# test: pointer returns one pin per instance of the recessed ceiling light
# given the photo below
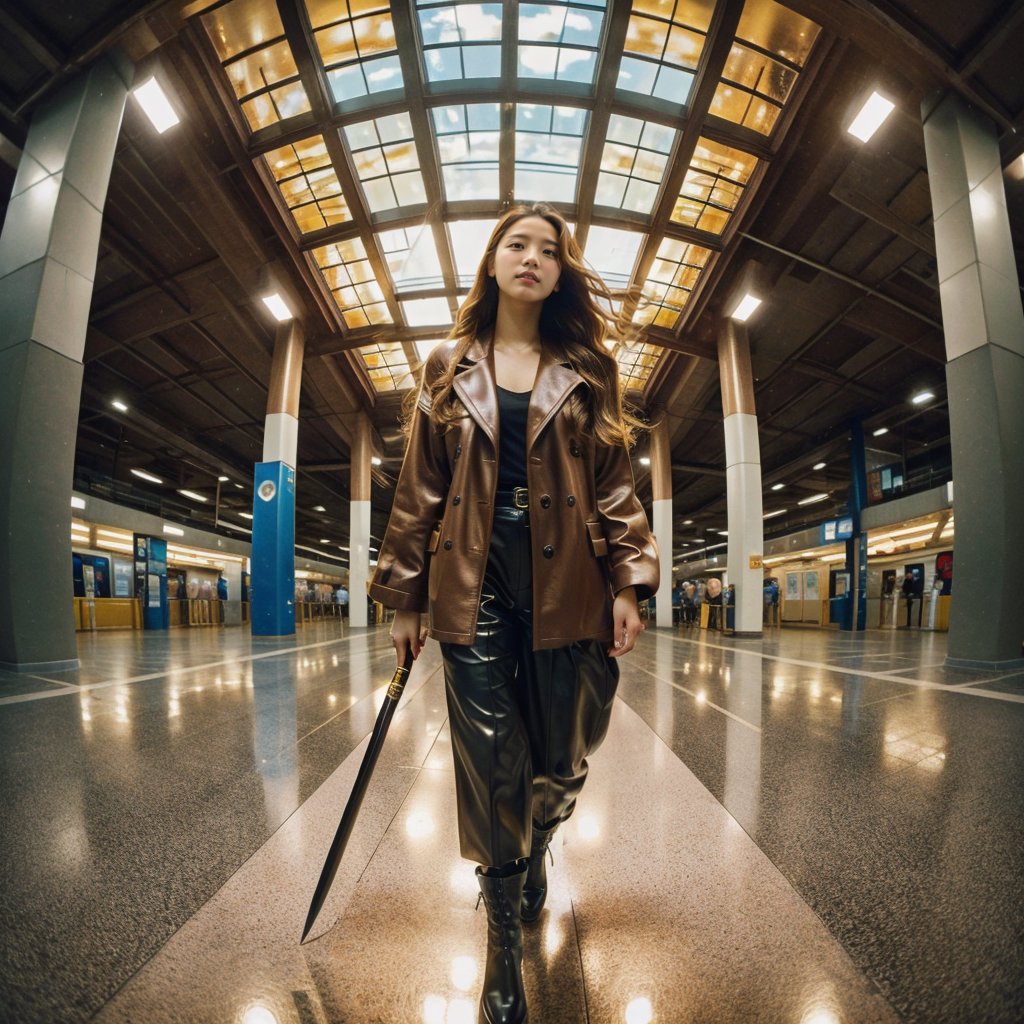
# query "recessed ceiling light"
(143, 475)
(777, 487)
(121, 407)
(745, 308)
(77, 502)
(324, 540)
(245, 515)
(645, 460)
(223, 479)
(922, 396)
(192, 495)
(871, 116)
(156, 105)
(880, 431)
(777, 512)
(687, 522)
(278, 307)
(374, 460)
(820, 465)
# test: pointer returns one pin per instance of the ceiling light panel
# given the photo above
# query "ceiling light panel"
(670, 282)
(386, 162)
(426, 312)
(349, 276)
(357, 46)
(460, 40)
(633, 163)
(308, 184)
(664, 43)
(713, 186)
(559, 41)
(549, 142)
(249, 39)
(468, 141)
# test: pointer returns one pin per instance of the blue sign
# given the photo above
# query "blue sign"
(837, 529)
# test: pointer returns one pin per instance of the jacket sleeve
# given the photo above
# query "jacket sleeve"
(632, 552)
(400, 579)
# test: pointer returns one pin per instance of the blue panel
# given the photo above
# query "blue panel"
(273, 550)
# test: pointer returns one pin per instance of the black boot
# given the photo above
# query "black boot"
(503, 1000)
(535, 891)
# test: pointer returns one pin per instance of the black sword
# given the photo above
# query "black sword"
(355, 800)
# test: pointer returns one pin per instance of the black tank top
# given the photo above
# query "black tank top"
(512, 408)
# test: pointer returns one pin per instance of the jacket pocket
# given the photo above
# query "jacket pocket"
(598, 541)
(434, 540)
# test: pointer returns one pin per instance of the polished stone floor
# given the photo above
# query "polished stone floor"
(810, 828)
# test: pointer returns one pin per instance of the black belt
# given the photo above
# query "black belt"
(518, 497)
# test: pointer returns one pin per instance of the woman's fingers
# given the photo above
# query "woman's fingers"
(626, 633)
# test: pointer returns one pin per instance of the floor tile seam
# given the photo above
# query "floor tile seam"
(884, 677)
(148, 677)
(782, 879)
(705, 701)
(579, 954)
(377, 689)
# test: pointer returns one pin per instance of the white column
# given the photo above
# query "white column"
(359, 524)
(661, 514)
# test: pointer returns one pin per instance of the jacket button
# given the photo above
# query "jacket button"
(447, 545)
(545, 501)
(549, 551)
(458, 450)
(457, 500)
(571, 500)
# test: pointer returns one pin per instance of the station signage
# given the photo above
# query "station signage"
(837, 529)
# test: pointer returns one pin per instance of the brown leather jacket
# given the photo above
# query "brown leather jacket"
(587, 528)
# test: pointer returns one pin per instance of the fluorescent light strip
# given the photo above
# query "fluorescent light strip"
(193, 495)
(813, 499)
(143, 475)
(156, 105)
(278, 307)
(745, 308)
(871, 116)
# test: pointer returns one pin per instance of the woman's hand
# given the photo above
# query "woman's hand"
(626, 622)
(406, 631)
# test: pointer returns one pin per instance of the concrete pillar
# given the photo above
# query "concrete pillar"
(48, 251)
(273, 513)
(359, 522)
(742, 477)
(661, 513)
(984, 330)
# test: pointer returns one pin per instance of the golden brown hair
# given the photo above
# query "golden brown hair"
(574, 323)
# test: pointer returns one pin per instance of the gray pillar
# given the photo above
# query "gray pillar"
(742, 477)
(984, 330)
(47, 265)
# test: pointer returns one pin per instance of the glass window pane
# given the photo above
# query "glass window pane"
(637, 75)
(469, 241)
(383, 74)
(379, 195)
(258, 70)
(583, 28)
(612, 253)
(610, 189)
(759, 73)
(625, 129)
(414, 262)
(337, 44)
(775, 28)
(640, 196)
(576, 65)
(541, 22)
(482, 61)
(538, 61)
(426, 312)
(673, 85)
(443, 64)
(409, 188)
(241, 25)
(276, 105)
(646, 36)
(479, 21)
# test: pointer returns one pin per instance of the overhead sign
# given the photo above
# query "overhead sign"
(837, 529)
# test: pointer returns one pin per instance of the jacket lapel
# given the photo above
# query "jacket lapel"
(552, 386)
(476, 387)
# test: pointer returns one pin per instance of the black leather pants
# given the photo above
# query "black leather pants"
(522, 721)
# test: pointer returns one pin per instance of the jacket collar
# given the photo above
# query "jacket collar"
(476, 386)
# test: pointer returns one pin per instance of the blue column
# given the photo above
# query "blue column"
(273, 550)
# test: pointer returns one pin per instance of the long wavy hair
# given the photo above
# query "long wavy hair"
(574, 323)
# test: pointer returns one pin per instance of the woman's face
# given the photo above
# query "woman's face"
(525, 264)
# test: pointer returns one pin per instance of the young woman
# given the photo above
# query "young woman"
(516, 528)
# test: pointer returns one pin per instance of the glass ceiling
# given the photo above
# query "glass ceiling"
(391, 137)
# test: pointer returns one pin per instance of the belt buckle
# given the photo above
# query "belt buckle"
(520, 497)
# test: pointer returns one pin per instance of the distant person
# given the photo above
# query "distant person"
(341, 596)
(909, 591)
